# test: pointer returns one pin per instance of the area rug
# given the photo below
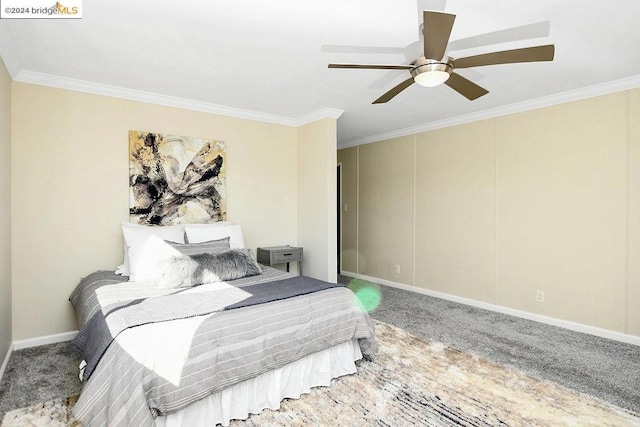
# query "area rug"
(412, 382)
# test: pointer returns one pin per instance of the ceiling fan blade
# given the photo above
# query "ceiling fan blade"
(437, 29)
(435, 5)
(373, 67)
(527, 54)
(394, 91)
(465, 87)
(513, 34)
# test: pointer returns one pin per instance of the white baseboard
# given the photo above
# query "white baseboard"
(34, 342)
(47, 339)
(578, 327)
(5, 362)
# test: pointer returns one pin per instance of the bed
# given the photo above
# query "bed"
(215, 350)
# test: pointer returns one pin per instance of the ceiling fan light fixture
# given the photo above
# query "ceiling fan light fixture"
(431, 73)
(431, 78)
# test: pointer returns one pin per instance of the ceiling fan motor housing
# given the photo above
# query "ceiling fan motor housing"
(431, 72)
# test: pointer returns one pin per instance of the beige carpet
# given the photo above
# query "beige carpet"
(412, 382)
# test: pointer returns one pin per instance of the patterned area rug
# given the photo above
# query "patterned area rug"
(412, 382)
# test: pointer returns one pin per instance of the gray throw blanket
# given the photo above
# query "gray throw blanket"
(95, 337)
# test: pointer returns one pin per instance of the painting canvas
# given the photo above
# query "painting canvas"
(175, 179)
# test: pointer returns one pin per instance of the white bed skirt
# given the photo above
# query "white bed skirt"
(269, 389)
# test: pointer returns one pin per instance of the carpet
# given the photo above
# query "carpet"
(412, 382)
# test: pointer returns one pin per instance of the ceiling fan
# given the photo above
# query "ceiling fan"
(434, 68)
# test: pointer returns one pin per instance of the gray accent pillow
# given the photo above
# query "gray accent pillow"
(193, 270)
(210, 247)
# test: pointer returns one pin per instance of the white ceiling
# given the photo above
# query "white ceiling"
(269, 58)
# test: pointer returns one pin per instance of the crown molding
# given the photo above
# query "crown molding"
(545, 101)
(323, 113)
(32, 77)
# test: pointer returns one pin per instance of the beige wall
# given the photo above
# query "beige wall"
(633, 300)
(561, 211)
(5, 212)
(455, 210)
(70, 186)
(385, 209)
(348, 159)
(317, 216)
(542, 200)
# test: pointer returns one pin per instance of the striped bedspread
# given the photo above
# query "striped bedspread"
(158, 368)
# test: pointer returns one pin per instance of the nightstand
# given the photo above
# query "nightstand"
(280, 255)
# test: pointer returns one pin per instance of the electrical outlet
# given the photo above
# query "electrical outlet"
(397, 269)
(346, 208)
(539, 296)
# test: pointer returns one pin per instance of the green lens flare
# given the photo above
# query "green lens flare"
(368, 293)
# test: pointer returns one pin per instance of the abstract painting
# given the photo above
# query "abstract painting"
(175, 179)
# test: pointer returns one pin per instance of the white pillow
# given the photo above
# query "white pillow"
(197, 233)
(144, 246)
